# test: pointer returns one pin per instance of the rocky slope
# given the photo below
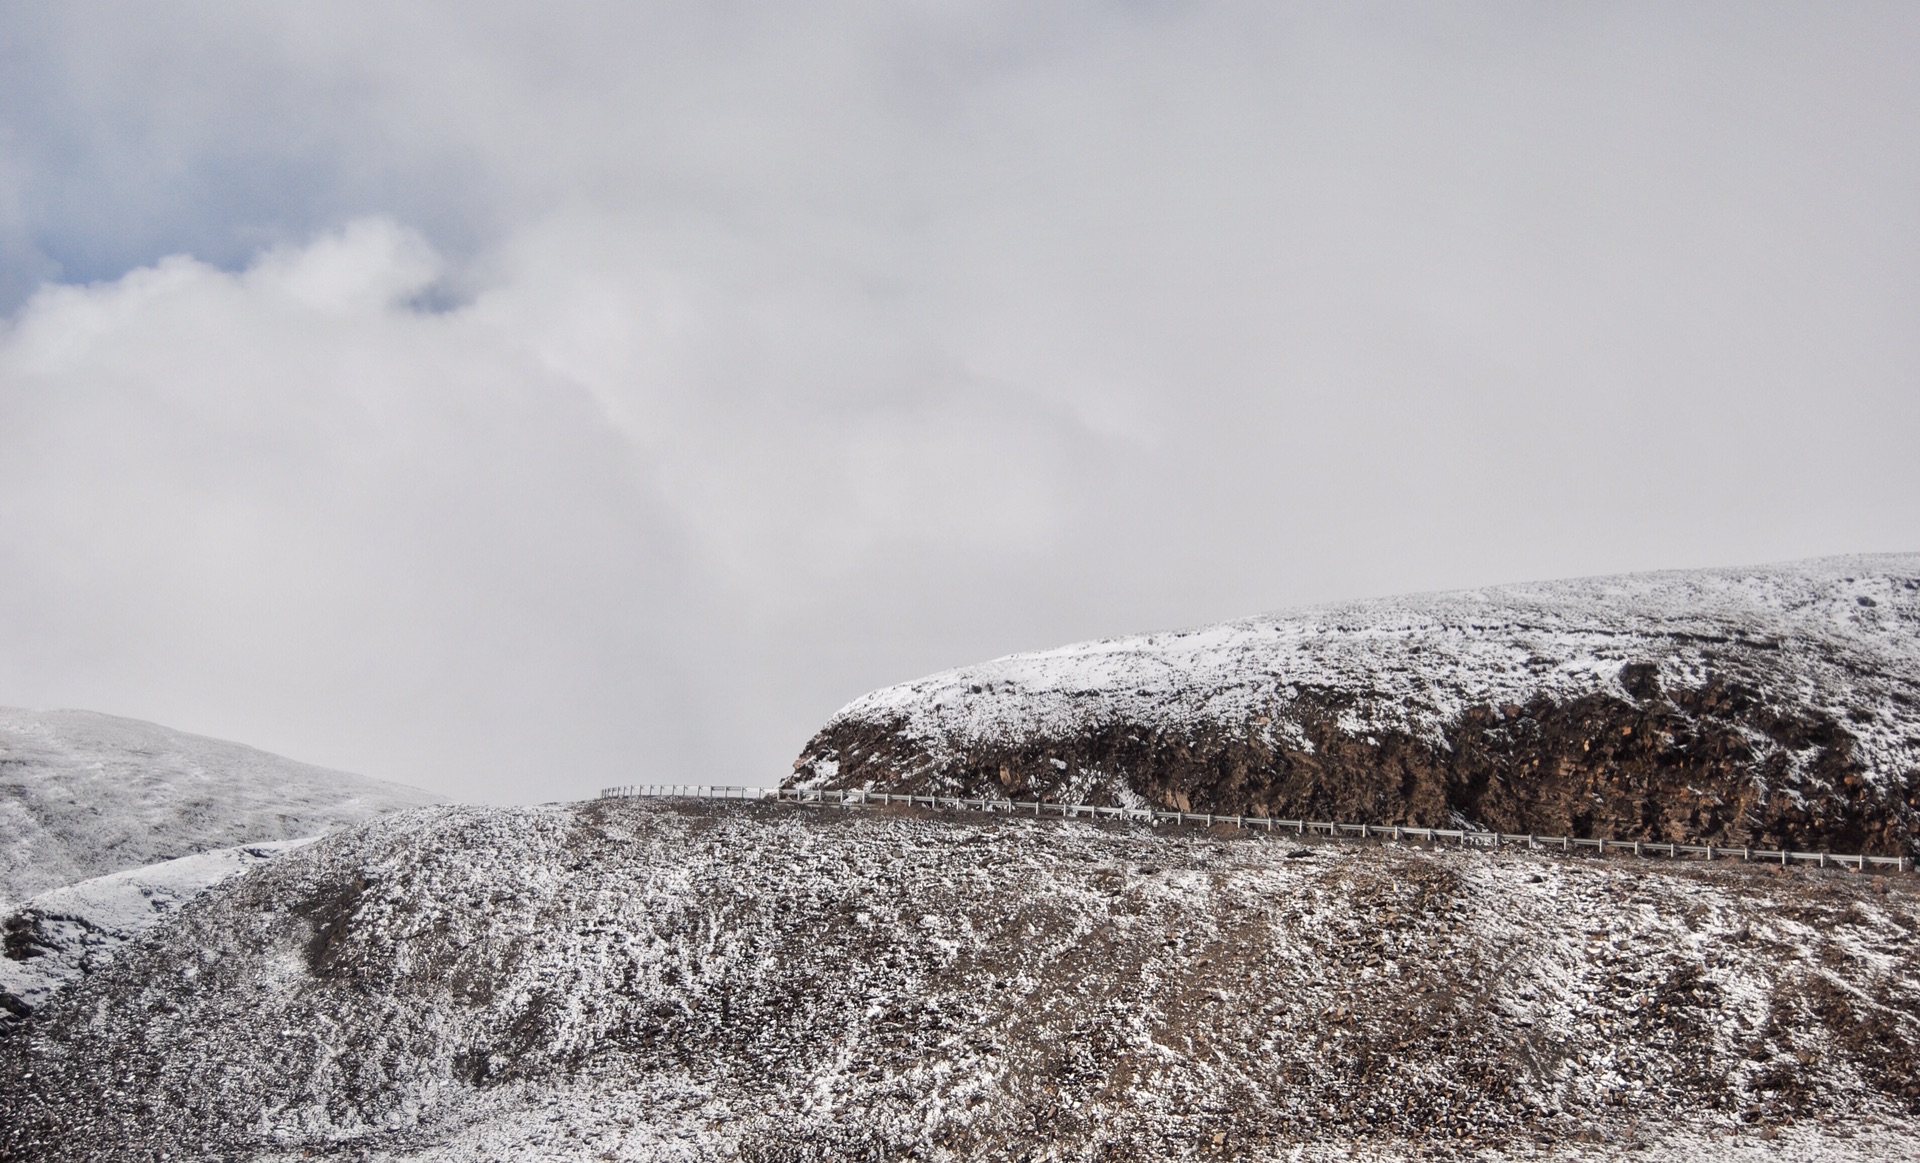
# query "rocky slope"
(83, 794)
(1769, 706)
(63, 934)
(635, 980)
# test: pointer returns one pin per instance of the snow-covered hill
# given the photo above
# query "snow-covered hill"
(1770, 705)
(59, 936)
(655, 981)
(83, 794)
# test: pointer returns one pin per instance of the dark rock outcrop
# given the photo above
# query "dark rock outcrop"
(1776, 706)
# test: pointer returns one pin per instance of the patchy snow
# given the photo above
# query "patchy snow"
(636, 980)
(83, 794)
(1840, 636)
(65, 933)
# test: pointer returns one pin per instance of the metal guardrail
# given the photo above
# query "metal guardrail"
(1465, 838)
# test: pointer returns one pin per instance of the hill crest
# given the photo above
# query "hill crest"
(83, 794)
(1768, 705)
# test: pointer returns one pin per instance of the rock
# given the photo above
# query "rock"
(1760, 707)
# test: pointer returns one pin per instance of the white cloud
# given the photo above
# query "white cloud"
(287, 488)
(567, 395)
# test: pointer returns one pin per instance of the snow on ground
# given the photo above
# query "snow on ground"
(63, 934)
(633, 980)
(82, 794)
(1839, 636)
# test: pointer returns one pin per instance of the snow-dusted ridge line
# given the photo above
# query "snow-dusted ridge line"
(1772, 706)
(83, 794)
(1329, 829)
(1237, 668)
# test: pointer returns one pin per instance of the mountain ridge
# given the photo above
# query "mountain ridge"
(1771, 705)
(84, 794)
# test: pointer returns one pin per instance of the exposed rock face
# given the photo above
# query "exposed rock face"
(633, 980)
(1769, 706)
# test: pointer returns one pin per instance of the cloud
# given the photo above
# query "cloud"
(517, 400)
(566, 499)
(282, 489)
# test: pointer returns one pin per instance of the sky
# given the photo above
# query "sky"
(518, 399)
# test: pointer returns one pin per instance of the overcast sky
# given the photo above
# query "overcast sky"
(513, 400)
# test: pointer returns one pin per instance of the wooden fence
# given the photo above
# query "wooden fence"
(1465, 838)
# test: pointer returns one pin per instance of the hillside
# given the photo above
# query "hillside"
(83, 794)
(642, 980)
(1771, 706)
(59, 936)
